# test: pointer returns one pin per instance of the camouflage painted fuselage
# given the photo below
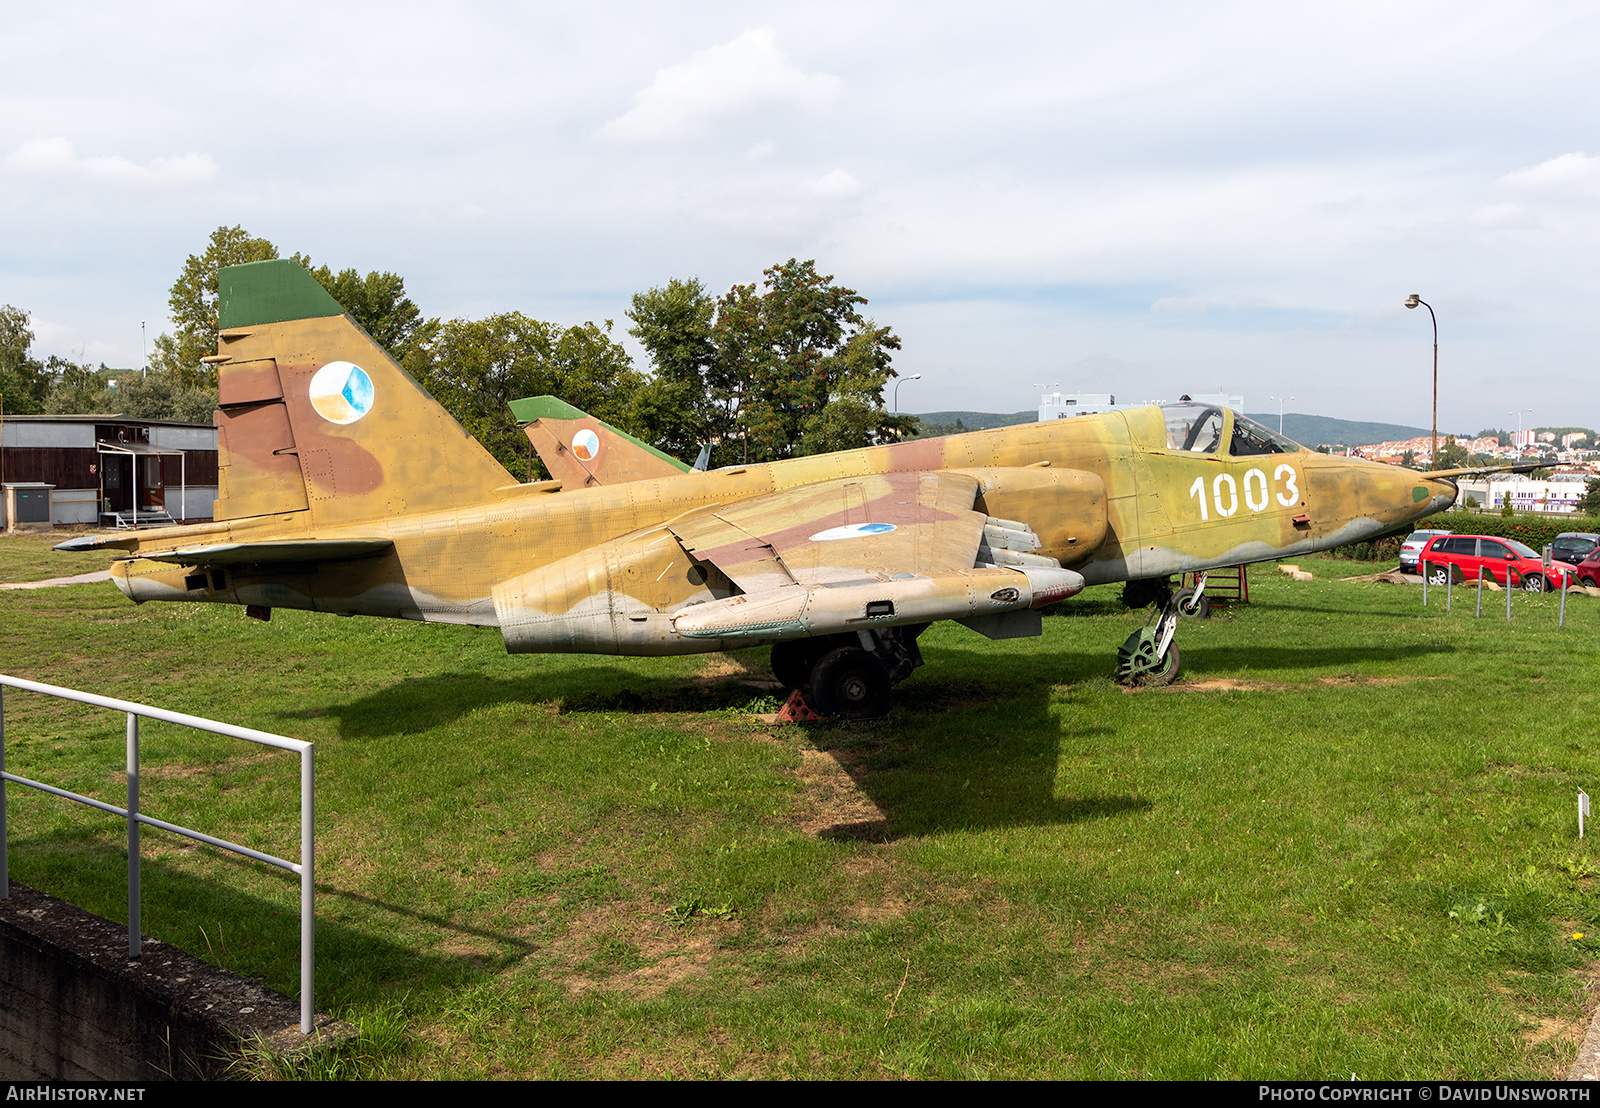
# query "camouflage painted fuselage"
(397, 512)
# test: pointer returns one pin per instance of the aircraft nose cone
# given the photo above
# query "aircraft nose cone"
(1440, 493)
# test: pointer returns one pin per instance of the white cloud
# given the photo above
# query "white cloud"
(1502, 215)
(55, 155)
(834, 186)
(1194, 305)
(718, 84)
(1568, 169)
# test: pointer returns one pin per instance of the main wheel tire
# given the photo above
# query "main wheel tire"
(1166, 673)
(1189, 608)
(1534, 582)
(1438, 575)
(792, 661)
(851, 684)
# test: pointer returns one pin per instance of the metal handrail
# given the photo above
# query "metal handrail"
(306, 867)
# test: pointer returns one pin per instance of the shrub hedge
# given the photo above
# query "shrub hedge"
(1534, 530)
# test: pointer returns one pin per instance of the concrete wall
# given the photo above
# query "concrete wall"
(75, 505)
(74, 1006)
(197, 502)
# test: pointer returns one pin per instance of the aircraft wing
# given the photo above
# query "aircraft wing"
(848, 554)
(843, 530)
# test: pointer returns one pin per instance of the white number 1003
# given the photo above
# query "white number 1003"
(1257, 492)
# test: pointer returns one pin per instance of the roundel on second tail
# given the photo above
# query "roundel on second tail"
(341, 392)
(852, 531)
(586, 445)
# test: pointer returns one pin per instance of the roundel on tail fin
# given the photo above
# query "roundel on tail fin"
(341, 392)
(586, 445)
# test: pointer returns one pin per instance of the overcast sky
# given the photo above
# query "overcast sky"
(1138, 198)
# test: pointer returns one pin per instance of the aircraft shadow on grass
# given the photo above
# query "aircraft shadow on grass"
(974, 744)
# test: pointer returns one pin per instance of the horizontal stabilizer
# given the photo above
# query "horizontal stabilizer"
(1494, 467)
(259, 553)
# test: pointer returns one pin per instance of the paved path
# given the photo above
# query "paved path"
(80, 579)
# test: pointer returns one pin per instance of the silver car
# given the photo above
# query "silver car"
(1413, 547)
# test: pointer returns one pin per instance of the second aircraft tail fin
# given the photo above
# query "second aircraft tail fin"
(580, 450)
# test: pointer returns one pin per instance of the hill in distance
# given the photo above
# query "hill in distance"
(1309, 430)
(980, 421)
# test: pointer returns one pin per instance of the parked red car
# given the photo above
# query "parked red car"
(1499, 558)
(1589, 569)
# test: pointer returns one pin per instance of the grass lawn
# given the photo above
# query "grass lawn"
(1344, 843)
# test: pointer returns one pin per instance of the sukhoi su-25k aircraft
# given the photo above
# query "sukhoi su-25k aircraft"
(345, 488)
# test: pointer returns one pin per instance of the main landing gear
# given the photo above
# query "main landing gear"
(1150, 657)
(849, 676)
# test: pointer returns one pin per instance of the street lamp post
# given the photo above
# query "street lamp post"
(1280, 400)
(897, 384)
(1411, 302)
(1519, 414)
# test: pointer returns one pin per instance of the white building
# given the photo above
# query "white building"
(1557, 494)
(1056, 405)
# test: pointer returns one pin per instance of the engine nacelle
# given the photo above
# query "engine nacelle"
(1065, 507)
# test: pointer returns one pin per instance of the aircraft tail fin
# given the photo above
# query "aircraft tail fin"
(313, 415)
(580, 450)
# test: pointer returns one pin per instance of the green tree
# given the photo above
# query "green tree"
(1452, 455)
(1505, 506)
(24, 382)
(475, 368)
(1589, 502)
(192, 302)
(851, 413)
(79, 390)
(795, 348)
(379, 303)
(76, 389)
(791, 368)
(681, 408)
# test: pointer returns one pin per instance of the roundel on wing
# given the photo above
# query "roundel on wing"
(586, 445)
(341, 392)
(852, 531)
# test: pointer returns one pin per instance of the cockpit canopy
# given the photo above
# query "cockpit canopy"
(1203, 428)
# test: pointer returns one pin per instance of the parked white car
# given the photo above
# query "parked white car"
(1413, 546)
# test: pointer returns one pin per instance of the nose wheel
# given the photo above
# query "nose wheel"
(1149, 657)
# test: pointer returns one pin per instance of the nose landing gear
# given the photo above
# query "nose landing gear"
(1149, 657)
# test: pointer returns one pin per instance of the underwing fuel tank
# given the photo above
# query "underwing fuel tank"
(534, 619)
(857, 606)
